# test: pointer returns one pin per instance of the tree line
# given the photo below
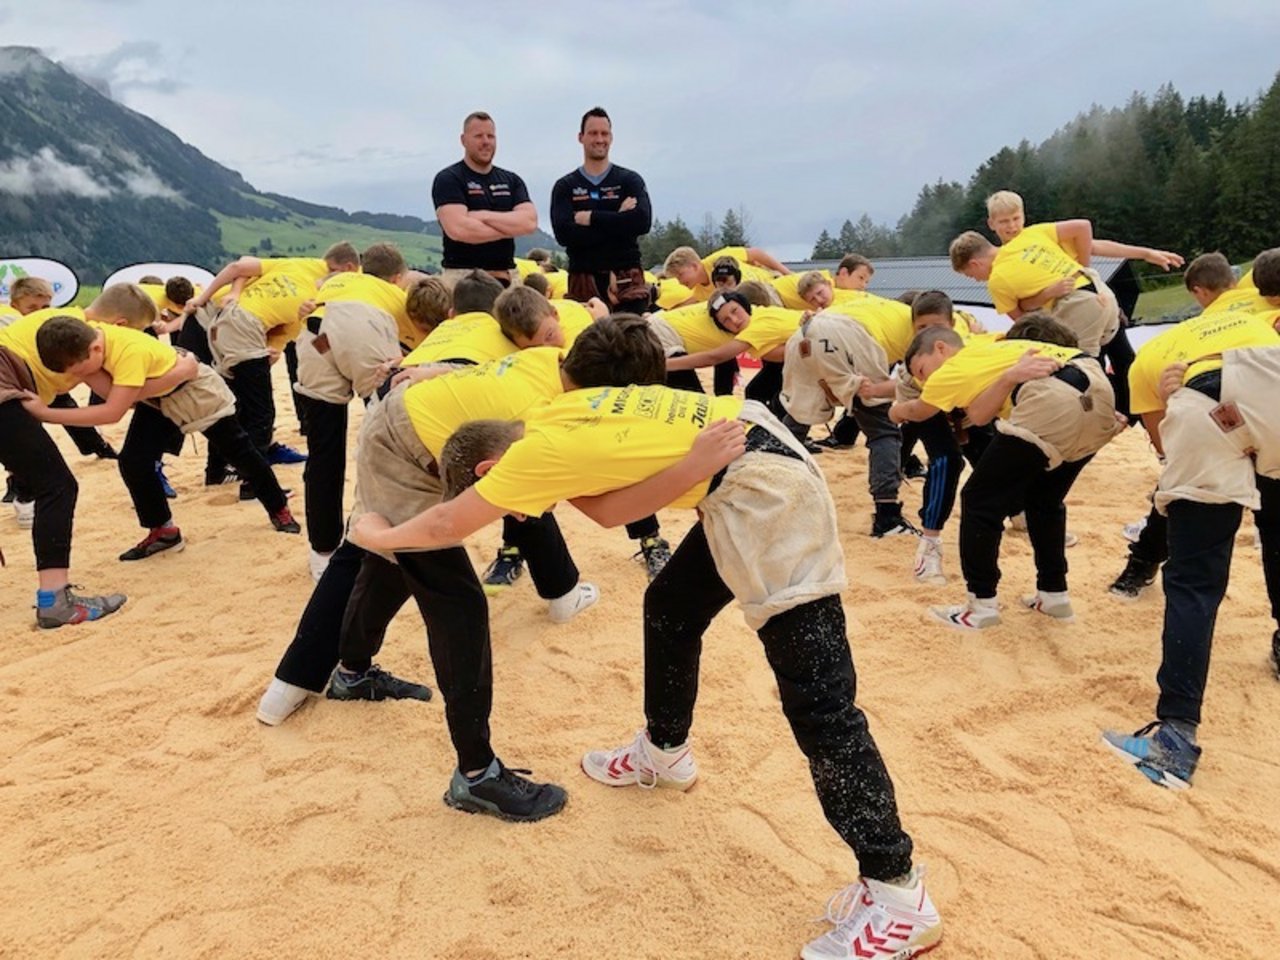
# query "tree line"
(1188, 175)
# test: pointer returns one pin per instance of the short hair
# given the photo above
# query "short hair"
(809, 281)
(1004, 201)
(760, 294)
(593, 112)
(383, 260)
(932, 303)
(852, 261)
(679, 258)
(30, 287)
(521, 310)
(469, 446)
(907, 296)
(64, 340)
(475, 115)
(616, 351)
(475, 293)
(341, 254)
(923, 342)
(1266, 272)
(1209, 271)
(966, 247)
(538, 255)
(1042, 328)
(127, 301)
(538, 281)
(178, 290)
(428, 303)
(151, 278)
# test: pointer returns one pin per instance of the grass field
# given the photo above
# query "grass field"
(1153, 305)
(308, 237)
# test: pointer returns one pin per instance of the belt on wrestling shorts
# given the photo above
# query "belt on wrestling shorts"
(1210, 384)
(1072, 376)
(759, 440)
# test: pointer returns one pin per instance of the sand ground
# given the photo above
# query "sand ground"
(148, 814)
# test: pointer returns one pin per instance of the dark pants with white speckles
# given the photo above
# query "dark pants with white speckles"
(808, 649)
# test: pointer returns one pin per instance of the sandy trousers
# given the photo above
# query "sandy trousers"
(801, 625)
(1092, 315)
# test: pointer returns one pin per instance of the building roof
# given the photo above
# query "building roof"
(897, 275)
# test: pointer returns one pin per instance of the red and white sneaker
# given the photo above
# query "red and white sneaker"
(643, 764)
(879, 920)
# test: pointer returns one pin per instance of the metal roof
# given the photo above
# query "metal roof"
(897, 275)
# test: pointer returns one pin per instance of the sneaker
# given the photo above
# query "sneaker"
(214, 478)
(1055, 605)
(374, 684)
(158, 540)
(876, 919)
(60, 608)
(1133, 531)
(25, 511)
(929, 561)
(283, 521)
(1069, 539)
(831, 443)
(813, 447)
(1161, 754)
(279, 454)
(280, 702)
(974, 614)
(563, 609)
(505, 794)
(655, 552)
(1136, 577)
(318, 563)
(892, 525)
(165, 485)
(913, 469)
(503, 572)
(642, 763)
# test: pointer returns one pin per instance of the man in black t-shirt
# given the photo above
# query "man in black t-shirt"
(481, 208)
(599, 212)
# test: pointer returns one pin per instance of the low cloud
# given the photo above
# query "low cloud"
(133, 65)
(145, 183)
(47, 173)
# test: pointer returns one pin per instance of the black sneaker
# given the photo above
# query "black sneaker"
(157, 541)
(505, 794)
(284, 522)
(892, 524)
(503, 572)
(813, 446)
(374, 684)
(831, 443)
(214, 478)
(656, 552)
(1137, 576)
(1275, 653)
(913, 469)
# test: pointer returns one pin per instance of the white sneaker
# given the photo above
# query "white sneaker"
(25, 511)
(974, 614)
(1132, 531)
(929, 562)
(281, 701)
(563, 609)
(318, 562)
(1056, 605)
(642, 763)
(1069, 539)
(879, 920)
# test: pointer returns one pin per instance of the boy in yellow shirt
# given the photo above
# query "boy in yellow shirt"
(1207, 392)
(684, 265)
(1056, 410)
(782, 564)
(125, 366)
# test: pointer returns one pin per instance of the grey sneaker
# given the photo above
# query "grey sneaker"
(655, 552)
(505, 794)
(374, 684)
(68, 608)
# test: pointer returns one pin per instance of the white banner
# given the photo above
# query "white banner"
(63, 278)
(135, 272)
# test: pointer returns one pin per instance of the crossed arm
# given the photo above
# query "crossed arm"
(485, 226)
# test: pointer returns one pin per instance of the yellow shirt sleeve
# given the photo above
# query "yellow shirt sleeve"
(770, 327)
(131, 357)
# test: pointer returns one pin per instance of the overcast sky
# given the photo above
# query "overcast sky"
(803, 113)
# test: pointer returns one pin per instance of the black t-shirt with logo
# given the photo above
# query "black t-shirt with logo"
(499, 190)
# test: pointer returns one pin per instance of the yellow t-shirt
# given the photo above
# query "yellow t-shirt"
(311, 270)
(375, 292)
(156, 292)
(131, 357)
(750, 271)
(1240, 298)
(574, 318)
(672, 293)
(888, 321)
(1028, 263)
(469, 336)
(524, 266)
(19, 338)
(1199, 342)
(557, 285)
(695, 327)
(275, 301)
(592, 441)
(502, 389)
(770, 327)
(976, 367)
(787, 287)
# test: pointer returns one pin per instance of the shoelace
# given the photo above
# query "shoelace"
(518, 783)
(844, 904)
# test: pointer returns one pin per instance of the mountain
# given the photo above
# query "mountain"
(96, 185)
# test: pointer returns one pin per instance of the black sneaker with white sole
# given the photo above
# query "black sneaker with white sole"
(374, 684)
(1136, 577)
(506, 794)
